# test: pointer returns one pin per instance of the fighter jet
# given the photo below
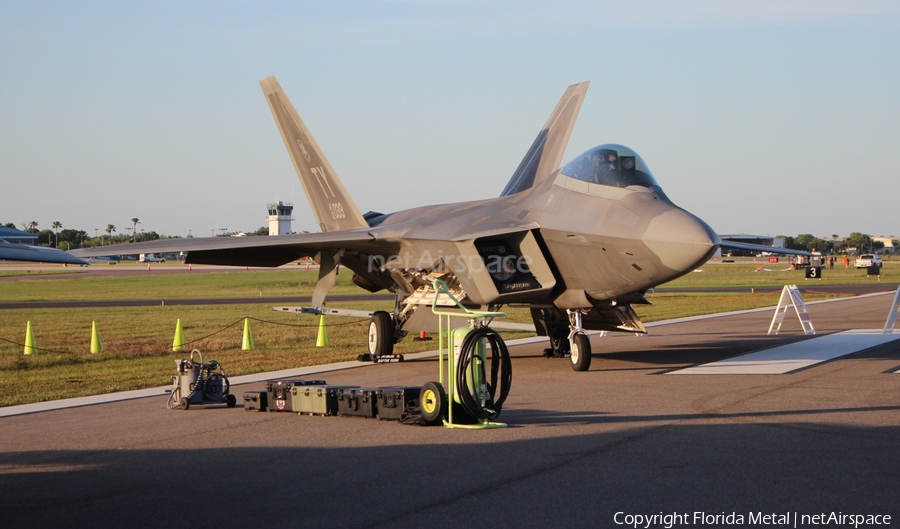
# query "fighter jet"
(578, 244)
(38, 254)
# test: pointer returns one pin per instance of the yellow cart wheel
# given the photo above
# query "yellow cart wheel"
(433, 401)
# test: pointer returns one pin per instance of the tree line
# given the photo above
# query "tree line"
(835, 245)
(68, 239)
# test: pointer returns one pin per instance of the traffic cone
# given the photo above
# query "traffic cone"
(322, 337)
(96, 345)
(178, 342)
(29, 339)
(247, 342)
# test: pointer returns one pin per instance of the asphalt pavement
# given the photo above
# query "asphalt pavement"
(581, 450)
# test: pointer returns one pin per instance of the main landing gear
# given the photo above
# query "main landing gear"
(381, 334)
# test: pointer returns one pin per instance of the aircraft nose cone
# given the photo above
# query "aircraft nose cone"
(680, 240)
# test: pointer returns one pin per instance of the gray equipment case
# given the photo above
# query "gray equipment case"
(358, 402)
(393, 400)
(255, 400)
(316, 400)
(279, 392)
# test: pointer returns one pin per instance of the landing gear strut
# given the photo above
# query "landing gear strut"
(579, 344)
(570, 342)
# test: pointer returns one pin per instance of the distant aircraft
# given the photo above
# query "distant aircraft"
(579, 245)
(39, 254)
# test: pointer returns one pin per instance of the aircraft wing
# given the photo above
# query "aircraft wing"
(762, 248)
(253, 251)
(39, 254)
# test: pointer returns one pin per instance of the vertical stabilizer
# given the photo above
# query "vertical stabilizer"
(331, 204)
(546, 152)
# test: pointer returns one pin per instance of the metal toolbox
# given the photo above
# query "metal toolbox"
(316, 400)
(392, 400)
(255, 400)
(357, 402)
(279, 392)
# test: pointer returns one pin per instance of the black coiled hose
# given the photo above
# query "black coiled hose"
(501, 374)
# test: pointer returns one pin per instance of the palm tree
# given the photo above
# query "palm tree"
(135, 221)
(56, 226)
(110, 229)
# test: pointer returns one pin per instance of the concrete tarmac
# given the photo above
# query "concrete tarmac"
(581, 450)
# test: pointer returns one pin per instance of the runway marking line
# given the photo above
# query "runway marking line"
(787, 358)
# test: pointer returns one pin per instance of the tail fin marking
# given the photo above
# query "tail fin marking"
(330, 201)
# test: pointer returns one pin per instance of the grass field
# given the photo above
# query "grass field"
(137, 341)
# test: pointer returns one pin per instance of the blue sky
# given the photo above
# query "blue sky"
(765, 117)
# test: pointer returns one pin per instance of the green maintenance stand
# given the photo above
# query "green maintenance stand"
(433, 394)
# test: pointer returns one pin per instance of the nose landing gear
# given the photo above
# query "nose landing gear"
(572, 342)
(579, 343)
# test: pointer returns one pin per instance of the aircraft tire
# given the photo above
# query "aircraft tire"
(381, 333)
(559, 342)
(581, 352)
(433, 401)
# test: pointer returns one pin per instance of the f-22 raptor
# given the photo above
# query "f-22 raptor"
(578, 244)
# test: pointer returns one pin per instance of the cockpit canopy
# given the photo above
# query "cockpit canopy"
(611, 165)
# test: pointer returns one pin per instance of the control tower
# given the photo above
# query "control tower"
(280, 217)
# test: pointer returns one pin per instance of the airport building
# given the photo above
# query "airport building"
(891, 244)
(280, 217)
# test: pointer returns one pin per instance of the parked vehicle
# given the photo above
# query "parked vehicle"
(150, 258)
(867, 259)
